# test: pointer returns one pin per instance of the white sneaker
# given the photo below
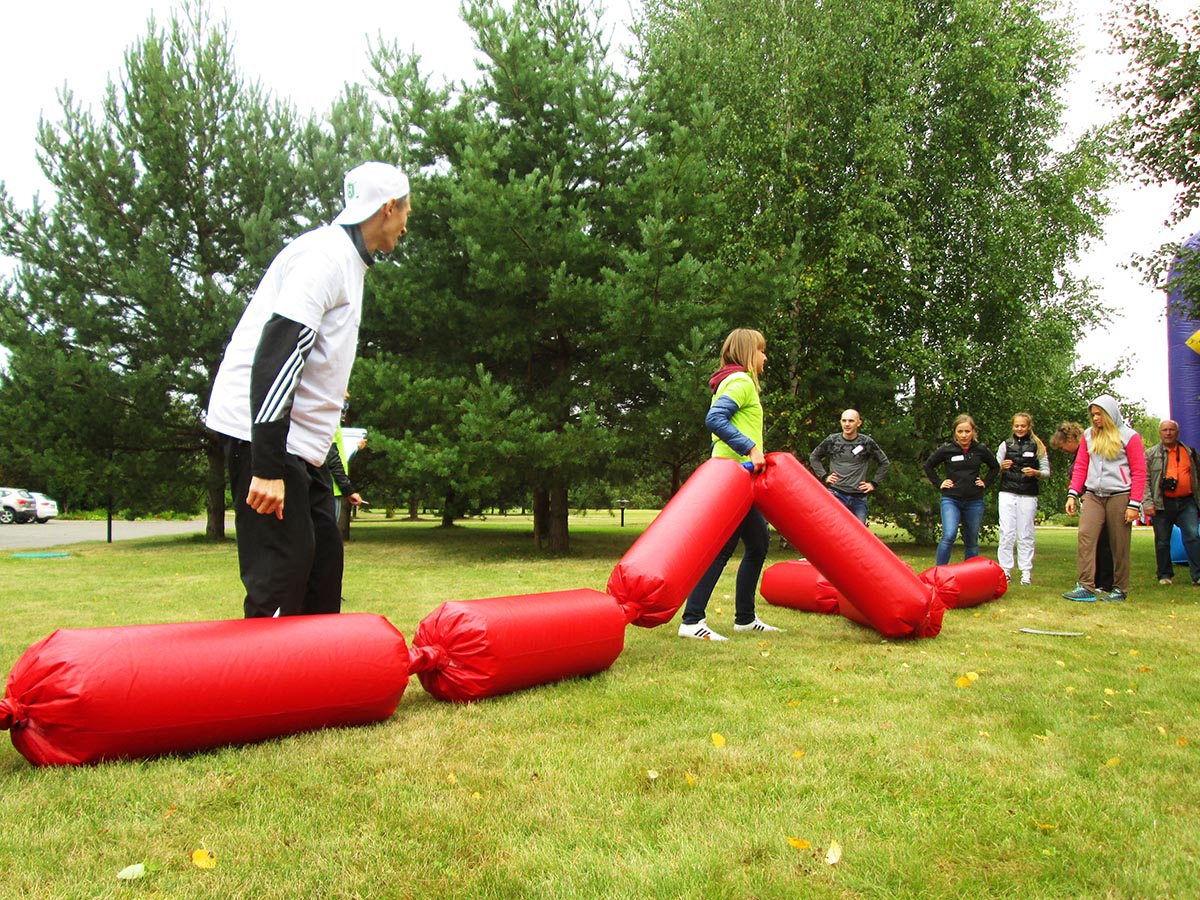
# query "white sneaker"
(700, 630)
(1025, 579)
(757, 625)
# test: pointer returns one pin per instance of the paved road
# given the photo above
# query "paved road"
(57, 532)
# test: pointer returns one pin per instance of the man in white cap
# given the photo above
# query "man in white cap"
(278, 394)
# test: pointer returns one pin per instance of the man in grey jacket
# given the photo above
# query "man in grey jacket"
(849, 455)
(1172, 497)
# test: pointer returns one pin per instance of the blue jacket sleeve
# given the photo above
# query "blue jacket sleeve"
(720, 422)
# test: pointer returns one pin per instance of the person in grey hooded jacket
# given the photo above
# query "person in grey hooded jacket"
(1110, 475)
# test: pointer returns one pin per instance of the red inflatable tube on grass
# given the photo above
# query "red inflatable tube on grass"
(658, 572)
(849, 611)
(876, 582)
(796, 584)
(968, 583)
(471, 649)
(89, 695)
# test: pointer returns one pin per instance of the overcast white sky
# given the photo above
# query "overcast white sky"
(308, 57)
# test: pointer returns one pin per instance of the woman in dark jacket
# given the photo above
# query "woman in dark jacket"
(962, 488)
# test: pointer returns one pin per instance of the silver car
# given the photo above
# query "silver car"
(16, 506)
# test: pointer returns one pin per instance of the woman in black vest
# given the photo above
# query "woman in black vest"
(1023, 464)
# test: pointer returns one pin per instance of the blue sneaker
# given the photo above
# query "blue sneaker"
(1117, 596)
(1081, 594)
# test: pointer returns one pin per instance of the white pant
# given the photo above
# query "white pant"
(1017, 512)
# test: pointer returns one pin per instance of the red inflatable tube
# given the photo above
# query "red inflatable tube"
(876, 582)
(655, 576)
(87, 695)
(850, 611)
(796, 584)
(968, 583)
(471, 649)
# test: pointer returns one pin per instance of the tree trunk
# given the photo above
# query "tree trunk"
(541, 516)
(449, 509)
(413, 510)
(215, 484)
(559, 537)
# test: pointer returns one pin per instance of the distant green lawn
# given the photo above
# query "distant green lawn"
(1068, 768)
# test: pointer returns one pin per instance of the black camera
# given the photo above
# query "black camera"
(1169, 484)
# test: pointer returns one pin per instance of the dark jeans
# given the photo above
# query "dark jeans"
(856, 503)
(756, 539)
(290, 566)
(968, 513)
(1179, 511)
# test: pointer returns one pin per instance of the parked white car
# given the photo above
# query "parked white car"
(47, 509)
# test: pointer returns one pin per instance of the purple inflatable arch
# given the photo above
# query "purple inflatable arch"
(1183, 355)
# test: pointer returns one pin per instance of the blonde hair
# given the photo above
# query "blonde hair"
(1041, 448)
(959, 420)
(739, 349)
(1106, 440)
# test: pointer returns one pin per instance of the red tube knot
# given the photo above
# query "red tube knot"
(425, 659)
(12, 714)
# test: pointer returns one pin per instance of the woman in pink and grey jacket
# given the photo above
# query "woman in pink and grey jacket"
(1110, 475)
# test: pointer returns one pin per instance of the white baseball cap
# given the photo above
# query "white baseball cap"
(367, 188)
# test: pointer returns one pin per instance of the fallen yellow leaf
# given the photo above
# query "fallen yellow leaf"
(799, 843)
(963, 682)
(1162, 731)
(835, 853)
(797, 754)
(691, 779)
(718, 739)
(1181, 741)
(204, 859)
(1109, 692)
(1044, 826)
(451, 778)
(1113, 762)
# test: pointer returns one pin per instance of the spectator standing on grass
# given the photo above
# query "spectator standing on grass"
(345, 494)
(1172, 495)
(850, 454)
(1110, 475)
(735, 417)
(278, 396)
(1023, 464)
(962, 488)
(1067, 438)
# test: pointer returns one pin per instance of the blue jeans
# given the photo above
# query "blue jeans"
(856, 503)
(968, 513)
(1179, 511)
(757, 540)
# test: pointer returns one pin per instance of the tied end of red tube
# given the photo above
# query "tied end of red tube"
(12, 714)
(424, 659)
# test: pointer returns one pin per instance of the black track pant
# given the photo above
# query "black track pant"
(292, 566)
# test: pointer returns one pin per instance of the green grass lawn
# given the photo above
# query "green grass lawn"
(1068, 768)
